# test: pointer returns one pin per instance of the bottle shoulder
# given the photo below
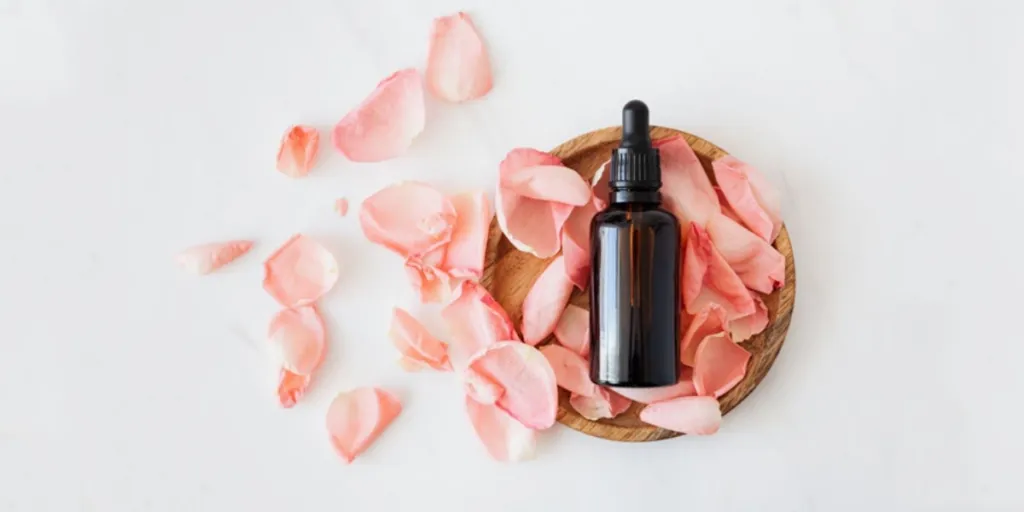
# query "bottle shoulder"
(622, 214)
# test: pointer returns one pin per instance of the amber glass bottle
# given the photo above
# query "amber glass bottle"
(634, 282)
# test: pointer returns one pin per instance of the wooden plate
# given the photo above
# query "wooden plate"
(509, 273)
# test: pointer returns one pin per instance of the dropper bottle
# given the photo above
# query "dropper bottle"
(634, 282)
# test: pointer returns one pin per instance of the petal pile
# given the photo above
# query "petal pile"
(530, 393)
(458, 68)
(299, 148)
(573, 330)
(545, 302)
(708, 278)
(605, 404)
(418, 347)
(297, 341)
(686, 190)
(464, 256)
(475, 321)
(430, 282)
(356, 418)
(203, 259)
(719, 364)
(534, 198)
(750, 196)
(384, 125)
(759, 265)
(299, 272)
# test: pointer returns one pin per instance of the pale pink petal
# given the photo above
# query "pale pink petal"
(505, 438)
(299, 148)
(474, 321)
(415, 342)
(297, 339)
(410, 218)
(534, 198)
(599, 184)
(602, 405)
(726, 209)
(754, 200)
(464, 256)
(573, 330)
(709, 320)
(530, 390)
(744, 327)
(203, 259)
(481, 388)
(755, 261)
(719, 365)
(650, 395)
(299, 272)
(356, 418)
(431, 283)
(707, 278)
(685, 188)
(458, 68)
(291, 387)
(545, 302)
(384, 125)
(571, 371)
(341, 206)
(576, 243)
(691, 415)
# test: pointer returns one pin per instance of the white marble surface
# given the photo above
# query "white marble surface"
(131, 129)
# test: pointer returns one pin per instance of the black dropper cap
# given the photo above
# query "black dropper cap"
(635, 163)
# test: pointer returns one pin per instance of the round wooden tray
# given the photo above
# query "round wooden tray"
(509, 274)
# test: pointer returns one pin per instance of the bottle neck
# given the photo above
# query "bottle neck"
(644, 196)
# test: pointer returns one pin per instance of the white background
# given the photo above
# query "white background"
(132, 129)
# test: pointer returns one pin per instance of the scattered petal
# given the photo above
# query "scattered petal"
(710, 320)
(299, 272)
(384, 125)
(571, 371)
(651, 395)
(356, 418)
(458, 68)
(464, 256)
(475, 321)
(431, 283)
(534, 198)
(297, 339)
(505, 438)
(707, 278)
(530, 390)
(416, 343)
(576, 243)
(203, 259)
(291, 387)
(720, 365)
(692, 415)
(299, 148)
(341, 206)
(742, 328)
(410, 218)
(573, 330)
(753, 199)
(686, 190)
(545, 302)
(755, 261)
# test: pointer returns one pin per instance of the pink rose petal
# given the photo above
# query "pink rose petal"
(576, 243)
(545, 302)
(710, 320)
(458, 68)
(505, 438)
(719, 365)
(384, 125)
(299, 272)
(431, 283)
(686, 190)
(691, 415)
(651, 395)
(481, 388)
(203, 259)
(753, 199)
(356, 418)
(297, 339)
(534, 198)
(299, 148)
(464, 256)
(755, 261)
(530, 390)
(571, 371)
(416, 343)
(603, 405)
(742, 328)
(707, 278)
(573, 330)
(291, 387)
(475, 321)
(341, 206)
(726, 210)
(410, 218)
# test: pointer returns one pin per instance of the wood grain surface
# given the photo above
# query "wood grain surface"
(509, 273)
